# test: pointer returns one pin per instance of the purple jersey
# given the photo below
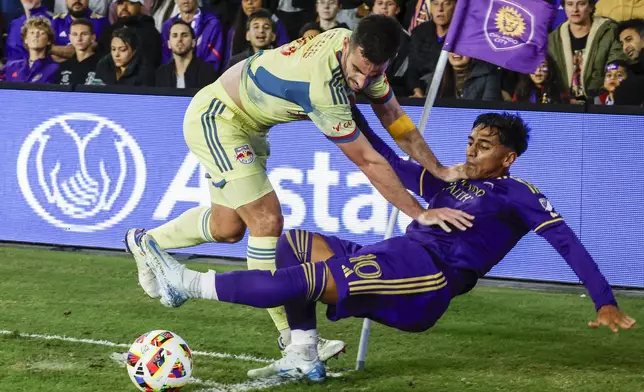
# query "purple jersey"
(505, 209)
(62, 22)
(210, 38)
(42, 71)
(15, 45)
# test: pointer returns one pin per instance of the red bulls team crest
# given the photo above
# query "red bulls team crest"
(244, 154)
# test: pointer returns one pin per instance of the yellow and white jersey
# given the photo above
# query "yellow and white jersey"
(303, 79)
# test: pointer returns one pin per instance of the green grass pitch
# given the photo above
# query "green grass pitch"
(492, 339)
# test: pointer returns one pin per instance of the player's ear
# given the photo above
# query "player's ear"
(248, 36)
(509, 159)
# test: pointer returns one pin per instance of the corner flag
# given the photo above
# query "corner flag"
(512, 34)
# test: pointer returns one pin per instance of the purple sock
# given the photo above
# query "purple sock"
(294, 285)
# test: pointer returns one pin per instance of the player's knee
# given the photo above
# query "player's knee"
(230, 238)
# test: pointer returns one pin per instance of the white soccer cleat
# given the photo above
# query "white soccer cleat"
(147, 281)
(328, 349)
(293, 365)
(167, 271)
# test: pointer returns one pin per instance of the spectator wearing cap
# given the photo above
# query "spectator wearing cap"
(631, 36)
(37, 36)
(81, 68)
(208, 31)
(540, 87)
(426, 44)
(620, 10)
(581, 47)
(397, 70)
(467, 78)
(615, 75)
(185, 70)
(129, 13)
(260, 34)
(15, 47)
(237, 33)
(125, 66)
(61, 24)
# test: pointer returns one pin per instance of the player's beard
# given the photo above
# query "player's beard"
(183, 53)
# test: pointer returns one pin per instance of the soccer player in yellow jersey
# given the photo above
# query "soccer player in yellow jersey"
(226, 127)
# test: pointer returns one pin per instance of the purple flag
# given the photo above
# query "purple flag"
(512, 34)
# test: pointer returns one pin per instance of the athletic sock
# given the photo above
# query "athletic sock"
(188, 229)
(260, 255)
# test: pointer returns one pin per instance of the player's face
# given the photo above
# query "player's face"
(260, 35)
(327, 9)
(81, 38)
(180, 41)
(578, 11)
(631, 43)
(540, 75)
(250, 6)
(187, 6)
(36, 38)
(358, 71)
(122, 53)
(386, 7)
(442, 11)
(486, 156)
(125, 9)
(613, 78)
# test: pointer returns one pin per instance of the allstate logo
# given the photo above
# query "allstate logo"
(81, 172)
(508, 25)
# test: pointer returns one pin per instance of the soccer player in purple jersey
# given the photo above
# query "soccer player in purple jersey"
(405, 282)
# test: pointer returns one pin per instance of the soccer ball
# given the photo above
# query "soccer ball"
(159, 361)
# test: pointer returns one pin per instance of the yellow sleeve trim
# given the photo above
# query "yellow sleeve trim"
(422, 176)
(546, 223)
(401, 127)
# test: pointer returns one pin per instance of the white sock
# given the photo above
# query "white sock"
(306, 343)
(200, 284)
(285, 334)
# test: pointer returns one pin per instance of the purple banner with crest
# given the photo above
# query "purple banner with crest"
(512, 34)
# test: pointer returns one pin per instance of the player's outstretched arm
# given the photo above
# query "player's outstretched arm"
(383, 178)
(413, 176)
(407, 136)
(564, 240)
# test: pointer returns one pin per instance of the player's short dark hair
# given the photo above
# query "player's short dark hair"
(179, 21)
(261, 13)
(513, 132)
(379, 38)
(82, 22)
(635, 24)
(310, 26)
(128, 36)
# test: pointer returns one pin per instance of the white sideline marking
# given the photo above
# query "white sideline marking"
(241, 357)
(213, 386)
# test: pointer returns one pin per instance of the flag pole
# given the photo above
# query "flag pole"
(391, 224)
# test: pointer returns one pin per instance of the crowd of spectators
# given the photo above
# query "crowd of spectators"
(594, 46)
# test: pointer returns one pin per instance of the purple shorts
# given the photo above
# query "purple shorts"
(394, 282)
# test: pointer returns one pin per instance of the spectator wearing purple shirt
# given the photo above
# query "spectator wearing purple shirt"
(208, 30)
(62, 23)
(37, 36)
(15, 43)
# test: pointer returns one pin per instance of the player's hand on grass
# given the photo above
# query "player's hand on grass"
(452, 173)
(613, 318)
(442, 216)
